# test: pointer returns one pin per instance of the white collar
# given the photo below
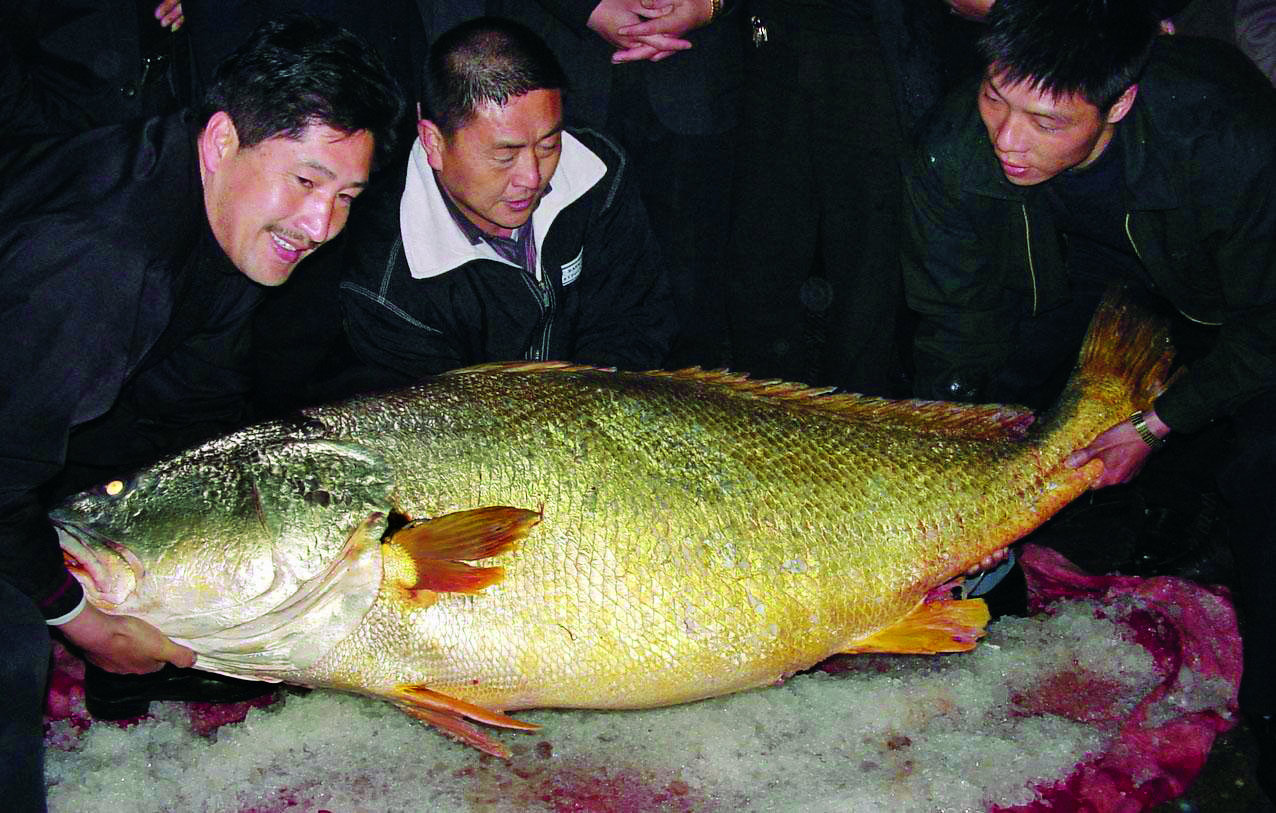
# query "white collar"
(432, 242)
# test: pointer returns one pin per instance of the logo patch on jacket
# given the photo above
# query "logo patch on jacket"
(572, 269)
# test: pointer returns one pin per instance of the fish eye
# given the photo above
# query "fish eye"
(114, 488)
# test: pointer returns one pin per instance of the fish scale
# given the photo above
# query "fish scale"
(579, 537)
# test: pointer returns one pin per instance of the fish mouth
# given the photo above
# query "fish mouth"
(107, 570)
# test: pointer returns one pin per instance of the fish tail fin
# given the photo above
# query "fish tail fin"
(431, 554)
(1126, 355)
(1123, 366)
(946, 625)
(450, 714)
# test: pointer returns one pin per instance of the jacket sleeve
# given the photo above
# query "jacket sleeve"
(628, 318)
(31, 560)
(1242, 361)
(385, 332)
(572, 13)
(962, 333)
(388, 338)
(381, 308)
(56, 370)
(80, 301)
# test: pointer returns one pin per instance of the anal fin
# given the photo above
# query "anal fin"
(450, 715)
(946, 625)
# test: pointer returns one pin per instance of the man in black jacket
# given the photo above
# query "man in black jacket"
(506, 236)
(1095, 151)
(124, 247)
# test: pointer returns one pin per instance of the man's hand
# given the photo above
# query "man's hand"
(677, 18)
(1121, 449)
(610, 16)
(169, 14)
(123, 644)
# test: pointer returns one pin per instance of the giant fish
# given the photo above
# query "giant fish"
(525, 535)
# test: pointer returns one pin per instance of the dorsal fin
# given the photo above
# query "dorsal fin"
(991, 422)
(440, 547)
(983, 421)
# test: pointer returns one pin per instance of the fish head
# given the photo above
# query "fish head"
(216, 536)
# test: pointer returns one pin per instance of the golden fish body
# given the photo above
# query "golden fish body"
(668, 536)
(695, 539)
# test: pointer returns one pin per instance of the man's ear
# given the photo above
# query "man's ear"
(1123, 104)
(218, 140)
(433, 140)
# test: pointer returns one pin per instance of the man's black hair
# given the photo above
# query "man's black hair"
(300, 70)
(488, 59)
(1092, 48)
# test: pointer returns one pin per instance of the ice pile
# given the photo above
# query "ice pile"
(983, 730)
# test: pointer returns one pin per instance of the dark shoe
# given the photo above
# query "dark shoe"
(109, 696)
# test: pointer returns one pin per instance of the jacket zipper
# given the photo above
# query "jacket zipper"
(1032, 269)
(543, 292)
(1129, 235)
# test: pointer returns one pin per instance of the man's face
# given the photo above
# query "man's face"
(1036, 135)
(272, 204)
(498, 165)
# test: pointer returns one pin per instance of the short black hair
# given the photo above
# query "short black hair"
(487, 59)
(1092, 48)
(300, 70)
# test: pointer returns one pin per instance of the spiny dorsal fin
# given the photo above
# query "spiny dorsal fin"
(992, 422)
(525, 367)
(450, 715)
(947, 625)
(440, 547)
(986, 421)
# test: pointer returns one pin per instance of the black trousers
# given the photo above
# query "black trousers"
(813, 279)
(24, 672)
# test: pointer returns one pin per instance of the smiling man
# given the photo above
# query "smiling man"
(1092, 152)
(507, 236)
(130, 260)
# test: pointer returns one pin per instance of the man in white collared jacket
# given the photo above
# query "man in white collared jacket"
(506, 237)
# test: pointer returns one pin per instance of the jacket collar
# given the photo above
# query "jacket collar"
(432, 242)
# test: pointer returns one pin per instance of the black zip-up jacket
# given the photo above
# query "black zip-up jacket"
(1199, 155)
(419, 299)
(99, 234)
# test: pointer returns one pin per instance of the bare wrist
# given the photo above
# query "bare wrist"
(1159, 427)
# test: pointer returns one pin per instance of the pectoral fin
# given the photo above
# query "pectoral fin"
(450, 714)
(438, 548)
(947, 625)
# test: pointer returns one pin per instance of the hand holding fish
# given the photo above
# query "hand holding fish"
(123, 644)
(1122, 450)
